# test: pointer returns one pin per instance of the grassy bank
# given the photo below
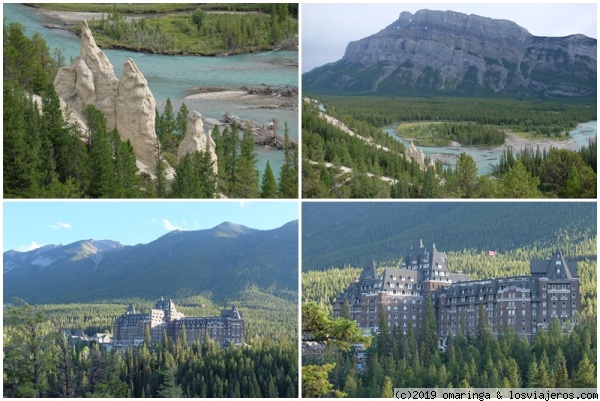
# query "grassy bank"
(128, 8)
(218, 30)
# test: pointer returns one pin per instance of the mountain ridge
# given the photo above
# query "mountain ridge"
(451, 53)
(190, 262)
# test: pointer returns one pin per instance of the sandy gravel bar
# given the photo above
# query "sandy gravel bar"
(70, 17)
(217, 95)
(518, 142)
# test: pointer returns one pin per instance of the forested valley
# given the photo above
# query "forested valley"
(372, 164)
(47, 155)
(554, 358)
(40, 361)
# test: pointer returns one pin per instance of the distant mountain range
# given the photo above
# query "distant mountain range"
(223, 260)
(337, 234)
(450, 53)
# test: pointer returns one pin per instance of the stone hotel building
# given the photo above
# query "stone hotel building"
(129, 328)
(524, 303)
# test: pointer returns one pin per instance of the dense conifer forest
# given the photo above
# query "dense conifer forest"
(371, 164)
(47, 155)
(39, 361)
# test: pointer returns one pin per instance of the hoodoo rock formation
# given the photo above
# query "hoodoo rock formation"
(127, 104)
(417, 155)
(197, 140)
(446, 52)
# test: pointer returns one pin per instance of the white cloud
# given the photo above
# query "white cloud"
(30, 247)
(60, 225)
(169, 226)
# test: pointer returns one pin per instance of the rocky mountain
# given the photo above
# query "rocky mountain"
(450, 53)
(223, 260)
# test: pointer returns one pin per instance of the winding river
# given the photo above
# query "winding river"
(487, 158)
(175, 77)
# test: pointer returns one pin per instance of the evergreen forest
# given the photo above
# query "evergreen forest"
(47, 155)
(40, 361)
(554, 358)
(372, 164)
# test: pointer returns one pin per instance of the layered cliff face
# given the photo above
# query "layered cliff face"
(446, 52)
(127, 104)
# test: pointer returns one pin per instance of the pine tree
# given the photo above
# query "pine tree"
(168, 388)
(21, 144)
(560, 373)
(428, 335)
(388, 388)
(246, 177)
(465, 179)
(126, 177)
(573, 189)
(585, 376)
(161, 179)
(66, 375)
(518, 183)
(288, 176)
(269, 185)
(181, 121)
(102, 168)
(27, 351)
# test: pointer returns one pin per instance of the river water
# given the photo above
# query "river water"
(175, 77)
(487, 158)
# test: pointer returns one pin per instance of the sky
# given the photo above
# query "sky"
(29, 225)
(326, 29)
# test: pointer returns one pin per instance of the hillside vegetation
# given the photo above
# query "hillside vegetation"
(354, 233)
(39, 361)
(338, 166)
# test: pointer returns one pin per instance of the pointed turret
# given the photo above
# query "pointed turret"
(557, 267)
(369, 271)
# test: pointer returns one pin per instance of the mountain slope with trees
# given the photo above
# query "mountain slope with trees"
(224, 261)
(353, 233)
